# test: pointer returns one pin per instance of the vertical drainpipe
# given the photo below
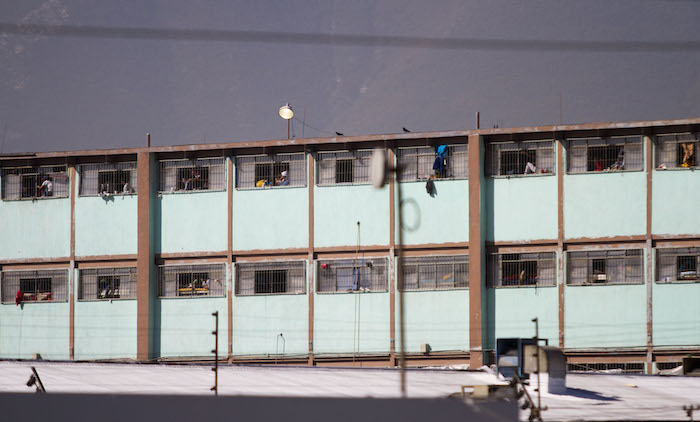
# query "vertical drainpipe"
(392, 263)
(560, 236)
(648, 252)
(477, 302)
(311, 267)
(144, 257)
(72, 283)
(229, 251)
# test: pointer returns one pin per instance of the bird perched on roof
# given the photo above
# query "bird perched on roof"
(406, 130)
(339, 134)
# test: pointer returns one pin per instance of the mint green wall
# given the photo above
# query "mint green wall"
(605, 316)
(35, 229)
(183, 326)
(520, 208)
(105, 330)
(604, 204)
(675, 202)
(274, 218)
(337, 209)
(425, 217)
(344, 319)
(106, 227)
(510, 310)
(190, 222)
(439, 318)
(34, 328)
(676, 314)
(258, 322)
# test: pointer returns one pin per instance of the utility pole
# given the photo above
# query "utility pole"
(215, 333)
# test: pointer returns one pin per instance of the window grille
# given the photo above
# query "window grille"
(664, 366)
(614, 266)
(521, 269)
(34, 182)
(107, 179)
(605, 154)
(193, 175)
(36, 286)
(192, 280)
(349, 275)
(678, 151)
(624, 367)
(421, 163)
(435, 273)
(263, 278)
(107, 283)
(344, 167)
(517, 158)
(259, 171)
(677, 265)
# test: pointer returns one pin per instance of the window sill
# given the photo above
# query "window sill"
(508, 176)
(43, 198)
(111, 195)
(434, 180)
(107, 299)
(271, 294)
(604, 284)
(604, 172)
(438, 289)
(330, 185)
(525, 286)
(677, 168)
(345, 292)
(677, 282)
(193, 297)
(34, 302)
(272, 187)
(184, 192)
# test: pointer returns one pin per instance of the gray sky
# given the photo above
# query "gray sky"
(60, 93)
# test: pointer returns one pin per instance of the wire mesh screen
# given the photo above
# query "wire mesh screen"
(419, 163)
(107, 284)
(521, 269)
(35, 286)
(435, 273)
(623, 367)
(351, 275)
(192, 280)
(605, 154)
(677, 151)
(107, 179)
(514, 158)
(264, 278)
(193, 175)
(277, 170)
(614, 266)
(343, 167)
(677, 265)
(34, 182)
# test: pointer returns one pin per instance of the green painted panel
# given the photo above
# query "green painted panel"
(351, 322)
(439, 318)
(618, 197)
(258, 322)
(35, 229)
(675, 202)
(605, 316)
(676, 314)
(521, 208)
(192, 222)
(183, 326)
(34, 328)
(106, 227)
(105, 330)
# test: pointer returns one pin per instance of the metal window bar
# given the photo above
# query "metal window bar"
(352, 275)
(535, 269)
(677, 265)
(199, 174)
(663, 366)
(435, 273)
(678, 151)
(520, 158)
(36, 286)
(266, 171)
(189, 281)
(624, 367)
(344, 167)
(420, 163)
(107, 284)
(613, 266)
(37, 182)
(605, 154)
(264, 278)
(107, 179)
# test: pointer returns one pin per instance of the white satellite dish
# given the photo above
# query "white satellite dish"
(378, 167)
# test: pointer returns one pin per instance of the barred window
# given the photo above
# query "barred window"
(192, 280)
(34, 182)
(424, 162)
(107, 283)
(261, 278)
(517, 158)
(677, 151)
(344, 167)
(677, 265)
(35, 286)
(277, 170)
(193, 175)
(435, 273)
(107, 179)
(351, 275)
(605, 154)
(614, 266)
(521, 269)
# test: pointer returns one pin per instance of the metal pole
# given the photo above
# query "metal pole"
(477, 120)
(38, 380)
(288, 128)
(215, 388)
(399, 283)
(537, 345)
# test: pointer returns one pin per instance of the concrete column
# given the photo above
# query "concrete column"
(145, 257)
(477, 257)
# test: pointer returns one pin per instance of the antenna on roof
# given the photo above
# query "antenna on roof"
(148, 140)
